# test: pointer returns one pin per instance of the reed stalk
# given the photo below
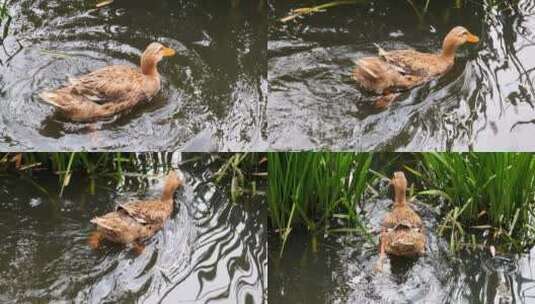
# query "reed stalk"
(487, 194)
(311, 189)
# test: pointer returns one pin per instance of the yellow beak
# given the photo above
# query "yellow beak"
(166, 52)
(472, 38)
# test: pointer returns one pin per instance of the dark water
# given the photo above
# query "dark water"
(213, 94)
(210, 251)
(484, 103)
(342, 271)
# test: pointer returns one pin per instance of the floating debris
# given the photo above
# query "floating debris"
(104, 3)
(300, 12)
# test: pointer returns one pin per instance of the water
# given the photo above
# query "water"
(342, 270)
(213, 91)
(210, 251)
(483, 103)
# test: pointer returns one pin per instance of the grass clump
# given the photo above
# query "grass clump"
(487, 194)
(310, 189)
(113, 165)
(5, 20)
(4, 12)
(245, 172)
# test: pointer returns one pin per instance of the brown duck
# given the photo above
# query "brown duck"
(110, 90)
(400, 70)
(402, 230)
(133, 222)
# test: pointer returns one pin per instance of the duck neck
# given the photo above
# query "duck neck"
(149, 67)
(168, 191)
(449, 48)
(400, 198)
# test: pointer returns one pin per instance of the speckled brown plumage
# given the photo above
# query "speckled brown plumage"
(133, 222)
(402, 230)
(394, 71)
(110, 90)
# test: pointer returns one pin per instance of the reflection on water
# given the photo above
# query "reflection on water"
(484, 103)
(213, 90)
(211, 251)
(342, 271)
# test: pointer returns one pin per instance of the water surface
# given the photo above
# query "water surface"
(210, 251)
(483, 103)
(213, 90)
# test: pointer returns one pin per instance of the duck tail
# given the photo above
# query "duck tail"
(366, 67)
(102, 222)
(380, 51)
(54, 98)
(94, 240)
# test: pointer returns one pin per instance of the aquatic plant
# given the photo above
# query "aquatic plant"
(61, 162)
(489, 195)
(420, 9)
(92, 164)
(311, 189)
(103, 3)
(303, 11)
(4, 16)
(4, 13)
(243, 169)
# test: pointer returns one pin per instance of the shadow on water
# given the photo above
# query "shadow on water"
(341, 271)
(213, 91)
(210, 251)
(484, 103)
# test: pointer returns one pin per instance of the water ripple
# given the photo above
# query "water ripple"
(484, 103)
(213, 83)
(211, 251)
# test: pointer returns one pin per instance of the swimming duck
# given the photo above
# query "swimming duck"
(394, 71)
(402, 230)
(110, 90)
(133, 222)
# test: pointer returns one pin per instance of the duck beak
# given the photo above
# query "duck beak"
(472, 38)
(167, 52)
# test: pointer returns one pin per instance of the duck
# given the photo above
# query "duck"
(402, 229)
(393, 71)
(107, 91)
(134, 222)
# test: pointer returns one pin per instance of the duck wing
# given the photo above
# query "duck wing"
(109, 84)
(113, 222)
(102, 93)
(390, 221)
(402, 217)
(147, 212)
(411, 62)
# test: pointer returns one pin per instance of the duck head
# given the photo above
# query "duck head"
(399, 182)
(455, 38)
(153, 54)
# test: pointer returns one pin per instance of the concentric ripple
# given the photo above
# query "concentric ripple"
(210, 251)
(212, 96)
